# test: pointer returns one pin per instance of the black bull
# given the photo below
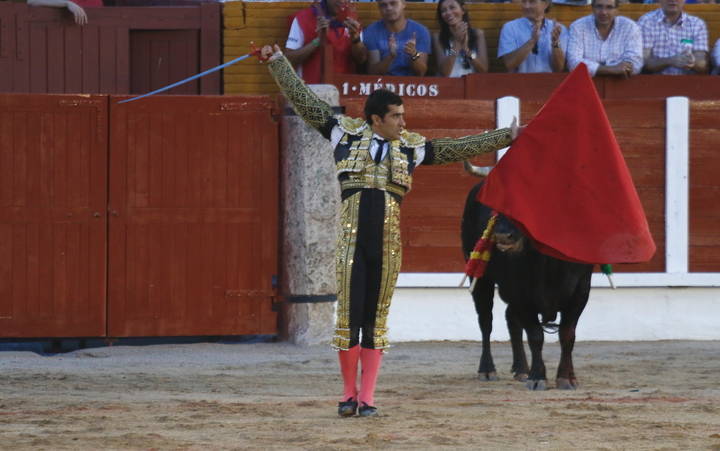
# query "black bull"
(532, 284)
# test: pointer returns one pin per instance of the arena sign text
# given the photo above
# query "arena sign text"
(422, 87)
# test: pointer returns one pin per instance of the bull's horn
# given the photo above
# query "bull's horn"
(478, 171)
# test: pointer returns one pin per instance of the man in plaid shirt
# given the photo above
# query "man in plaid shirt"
(674, 43)
(606, 43)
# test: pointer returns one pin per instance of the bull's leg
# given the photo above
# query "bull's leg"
(520, 366)
(537, 379)
(566, 379)
(566, 373)
(483, 298)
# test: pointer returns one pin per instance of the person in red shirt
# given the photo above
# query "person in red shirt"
(75, 7)
(344, 38)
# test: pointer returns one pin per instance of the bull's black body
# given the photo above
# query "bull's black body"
(532, 284)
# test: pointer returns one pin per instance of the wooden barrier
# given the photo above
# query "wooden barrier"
(150, 218)
(119, 51)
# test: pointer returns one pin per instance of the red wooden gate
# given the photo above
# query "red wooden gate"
(193, 217)
(53, 197)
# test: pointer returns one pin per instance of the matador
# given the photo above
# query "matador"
(375, 157)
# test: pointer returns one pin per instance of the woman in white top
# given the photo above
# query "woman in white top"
(716, 58)
(459, 48)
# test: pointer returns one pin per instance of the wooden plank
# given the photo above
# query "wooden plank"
(20, 153)
(55, 58)
(107, 59)
(90, 58)
(38, 58)
(6, 158)
(122, 66)
(210, 45)
(72, 50)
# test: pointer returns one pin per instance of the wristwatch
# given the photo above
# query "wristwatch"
(415, 56)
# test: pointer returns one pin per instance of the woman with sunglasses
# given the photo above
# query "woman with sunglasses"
(460, 49)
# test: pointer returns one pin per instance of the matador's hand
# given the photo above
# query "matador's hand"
(515, 130)
(267, 51)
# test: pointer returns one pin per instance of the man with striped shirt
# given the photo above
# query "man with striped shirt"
(674, 43)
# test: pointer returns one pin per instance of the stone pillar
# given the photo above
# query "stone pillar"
(310, 208)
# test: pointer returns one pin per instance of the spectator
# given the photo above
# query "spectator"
(459, 48)
(344, 38)
(674, 43)
(533, 43)
(396, 45)
(75, 7)
(606, 43)
(716, 57)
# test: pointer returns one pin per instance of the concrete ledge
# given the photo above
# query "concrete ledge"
(419, 314)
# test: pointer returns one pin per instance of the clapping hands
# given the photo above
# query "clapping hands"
(410, 48)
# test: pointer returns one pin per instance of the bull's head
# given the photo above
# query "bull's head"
(507, 237)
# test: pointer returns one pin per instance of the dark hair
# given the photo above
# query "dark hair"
(378, 103)
(616, 3)
(549, 2)
(445, 29)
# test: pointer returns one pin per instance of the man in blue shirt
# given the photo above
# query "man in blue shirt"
(533, 43)
(396, 45)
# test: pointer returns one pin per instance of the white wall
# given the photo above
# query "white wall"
(621, 314)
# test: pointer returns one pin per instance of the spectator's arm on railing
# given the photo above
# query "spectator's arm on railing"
(694, 61)
(77, 11)
(701, 65)
(575, 52)
(633, 51)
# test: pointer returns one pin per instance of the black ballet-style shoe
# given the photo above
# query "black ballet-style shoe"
(347, 408)
(367, 411)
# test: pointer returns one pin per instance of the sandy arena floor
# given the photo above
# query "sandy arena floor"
(633, 396)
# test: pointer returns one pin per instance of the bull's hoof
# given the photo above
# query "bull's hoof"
(521, 377)
(490, 376)
(536, 385)
(566, 384)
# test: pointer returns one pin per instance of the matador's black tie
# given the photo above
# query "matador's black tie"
(379, 153)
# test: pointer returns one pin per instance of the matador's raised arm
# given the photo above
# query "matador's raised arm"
(306, 103)
(449, 150)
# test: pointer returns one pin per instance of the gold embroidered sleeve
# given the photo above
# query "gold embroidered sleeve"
(307, 105)
(449, 150)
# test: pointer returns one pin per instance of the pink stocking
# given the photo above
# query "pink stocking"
(370, 359)
(348, 368)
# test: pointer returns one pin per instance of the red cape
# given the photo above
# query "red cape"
(566, 184)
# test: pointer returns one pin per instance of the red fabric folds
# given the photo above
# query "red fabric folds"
(566, 184)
